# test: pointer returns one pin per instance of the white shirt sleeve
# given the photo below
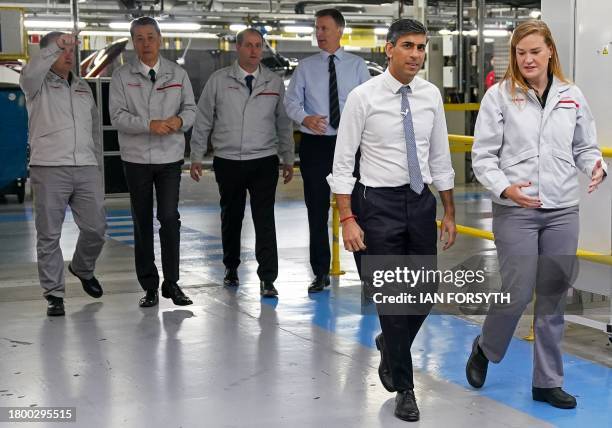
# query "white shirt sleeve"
(352, 123)
(440, 166)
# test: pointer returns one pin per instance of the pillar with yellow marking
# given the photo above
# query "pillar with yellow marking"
(335, 264)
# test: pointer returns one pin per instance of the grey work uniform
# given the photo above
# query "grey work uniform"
(65, 168)
(520, 138)
(152, 162)
(249, 131)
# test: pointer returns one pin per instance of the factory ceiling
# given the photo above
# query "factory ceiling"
(223, 12)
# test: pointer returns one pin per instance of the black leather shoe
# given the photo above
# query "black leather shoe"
(91, 286)
(266, 289)
(171, 290)
(406, 407)
(55, 306)
(476, 367)
(384, 372)
(231, 278)
(319, 284)
(556, 397)
(149, 299)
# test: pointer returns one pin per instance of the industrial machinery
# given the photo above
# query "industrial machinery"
(584, 41)
(14, 148)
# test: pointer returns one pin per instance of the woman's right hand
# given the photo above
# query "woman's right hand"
(515, 194)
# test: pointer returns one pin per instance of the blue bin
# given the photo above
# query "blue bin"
(14, 150)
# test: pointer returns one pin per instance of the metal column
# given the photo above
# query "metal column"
(481, 48)
(460, 47)
(74, 7)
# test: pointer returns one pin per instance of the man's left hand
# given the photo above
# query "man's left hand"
(175, 123)
(450, 229)
(287, 173)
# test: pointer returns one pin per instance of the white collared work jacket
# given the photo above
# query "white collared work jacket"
(63, 120)
(517, 140)
(135, 101)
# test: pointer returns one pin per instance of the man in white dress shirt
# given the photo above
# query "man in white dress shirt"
(397, 121)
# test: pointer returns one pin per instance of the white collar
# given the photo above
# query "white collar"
(244, 73)
(395, 85)
(145, 68)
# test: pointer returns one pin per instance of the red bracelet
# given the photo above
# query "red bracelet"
(342, 220)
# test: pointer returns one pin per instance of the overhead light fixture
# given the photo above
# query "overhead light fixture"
(286, 21)
(535, 14)
(348, 30)
(172, 26)
(28, 23)
(237, 27)
(101, 33)
(87, 33)
(298, 29)
(381, 31)
(307, 39)
(445, 32)
(179, 26)
(496, 33)
(192, 35)
(119, 25)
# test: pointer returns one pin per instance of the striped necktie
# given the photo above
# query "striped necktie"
(414, 168)
(334, 105)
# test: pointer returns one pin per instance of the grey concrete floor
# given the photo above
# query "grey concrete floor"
(231, 359)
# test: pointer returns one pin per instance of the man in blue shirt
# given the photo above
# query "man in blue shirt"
(315, 99)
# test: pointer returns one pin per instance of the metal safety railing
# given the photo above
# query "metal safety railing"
(464, 143)
(458, 144)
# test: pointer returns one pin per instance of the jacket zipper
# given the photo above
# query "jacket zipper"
(243, 116)
(149, 109)
(74, 124)
(539, 137)
(242, 127)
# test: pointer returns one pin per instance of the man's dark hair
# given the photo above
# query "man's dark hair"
(401, 27)
(240, 35)
(334, 14)
(49, 38)
(141, 22)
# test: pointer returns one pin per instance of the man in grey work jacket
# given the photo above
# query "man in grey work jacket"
(242, 106)
(65, 166)
(152, 106)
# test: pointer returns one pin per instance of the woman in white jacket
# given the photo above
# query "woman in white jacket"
(533, 133)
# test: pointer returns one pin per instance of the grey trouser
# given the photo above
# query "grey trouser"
(55, 188)
(536, 250)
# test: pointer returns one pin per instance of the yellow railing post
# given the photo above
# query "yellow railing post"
(335, 264)
(531, 336)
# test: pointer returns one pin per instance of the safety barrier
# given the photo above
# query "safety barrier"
(458, 144)
(462, 107)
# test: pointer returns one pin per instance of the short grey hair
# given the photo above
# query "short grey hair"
(141, 22)
(50, 37)
(404, 26)
(240, 35)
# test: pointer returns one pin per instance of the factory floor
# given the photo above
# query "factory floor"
(233, 359)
